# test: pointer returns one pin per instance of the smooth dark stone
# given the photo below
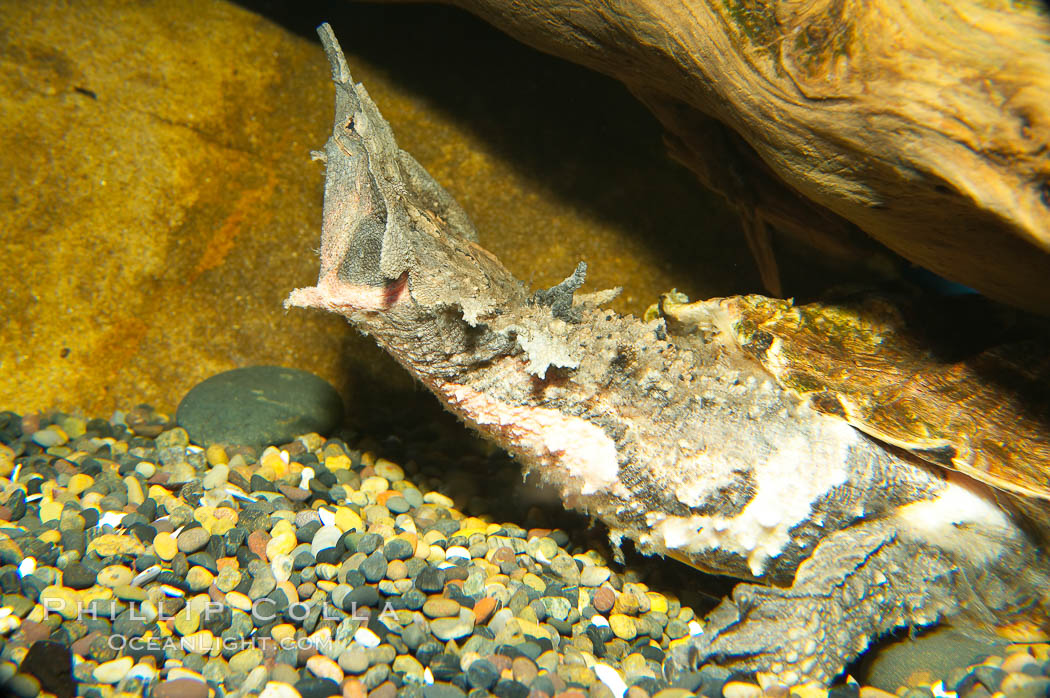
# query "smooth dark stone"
(90, 517)
(509, 688)
(52, 665)
(148, 509)
(144, 532)
(991, 677)
(205, 560)
(398, 549)
(414, 599)
(374, 567)
(455, 593)
(361, 597)
(260, 484)
(259, 406)
(482, 674)
(649, 652)
(78, 576)
(10, 580)
(368, 543)
(430, 580)
(234, 539)
(16, 504)
(305, 533)
(143, 562)
(329, 556)
(173, 577)
(444, 666)
(413, 636)
(317, 688)
(32, 585)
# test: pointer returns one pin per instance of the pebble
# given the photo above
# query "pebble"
(258, 406)
(165, 546)
(191, 540)
(113, 671)
(279, 689)
(181, 688)
(324, 668)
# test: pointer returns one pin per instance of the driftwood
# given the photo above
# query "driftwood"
(924, 123)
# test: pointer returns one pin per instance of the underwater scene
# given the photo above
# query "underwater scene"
(525, 349)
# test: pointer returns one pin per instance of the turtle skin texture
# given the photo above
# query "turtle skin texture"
(681, 431)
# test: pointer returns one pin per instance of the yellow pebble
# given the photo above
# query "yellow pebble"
(158, 493)
(282, 526)
(623, 626)
(216, 455)
(438, 499)
(79, 482)
(50, 537)
(165, 546)
(276, 460)
(375, 484)
(282, 632)
(199, 642)
(346, 519)
(7, 460)
(810, 690)
(390, 470)
(340, 462)
(657, 602)
(281, 544)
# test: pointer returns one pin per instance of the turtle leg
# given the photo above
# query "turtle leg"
(858, 584)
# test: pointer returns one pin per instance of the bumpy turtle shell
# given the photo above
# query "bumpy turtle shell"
(964, 385)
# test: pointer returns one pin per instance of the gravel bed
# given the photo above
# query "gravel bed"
(133, 562)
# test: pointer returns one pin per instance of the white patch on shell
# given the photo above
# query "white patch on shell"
(962, 502)
(787, 485)
(582, 451)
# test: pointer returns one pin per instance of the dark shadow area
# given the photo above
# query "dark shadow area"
(578, 133)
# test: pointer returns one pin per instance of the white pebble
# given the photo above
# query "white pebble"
(308, 474)
(611, 678)
(110, 518)
(27, 566)
(113, 671)
(599, 621)
(277, 689)
(428, 677)
(695, 628)
(281, 567)
(143, 672)
(179, 672)
(146, 576)
(327, 517)
(457, 551)
(366, 638)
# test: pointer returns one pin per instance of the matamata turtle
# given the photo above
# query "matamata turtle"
(857, 484)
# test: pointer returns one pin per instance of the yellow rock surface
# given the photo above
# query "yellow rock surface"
(158, 200)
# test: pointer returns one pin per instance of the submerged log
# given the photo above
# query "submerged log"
(924, 123)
